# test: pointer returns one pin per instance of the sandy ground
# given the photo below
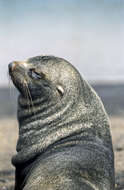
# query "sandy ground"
(8, 138)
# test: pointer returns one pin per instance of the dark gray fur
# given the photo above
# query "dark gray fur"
(64, 136)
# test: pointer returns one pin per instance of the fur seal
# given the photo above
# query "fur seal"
(64, 133)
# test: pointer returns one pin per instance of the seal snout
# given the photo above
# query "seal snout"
(11, 66)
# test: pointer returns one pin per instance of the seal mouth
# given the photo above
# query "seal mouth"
(17, 72)
(17, 67)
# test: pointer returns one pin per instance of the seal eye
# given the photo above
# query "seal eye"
(35, 75)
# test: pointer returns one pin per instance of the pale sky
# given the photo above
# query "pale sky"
(88, 33)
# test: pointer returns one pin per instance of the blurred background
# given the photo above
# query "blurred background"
(87, 33)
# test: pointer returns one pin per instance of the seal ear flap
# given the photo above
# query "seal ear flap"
(60, 90)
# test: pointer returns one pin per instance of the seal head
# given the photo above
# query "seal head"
(49, 88)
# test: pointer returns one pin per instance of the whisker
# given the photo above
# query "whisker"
(30, 96)
(27, 96)
(10, 85)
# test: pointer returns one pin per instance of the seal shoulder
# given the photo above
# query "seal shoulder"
(69, 169)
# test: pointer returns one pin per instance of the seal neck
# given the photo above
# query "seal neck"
(43, 125)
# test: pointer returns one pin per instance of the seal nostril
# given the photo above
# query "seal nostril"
(11, 66)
